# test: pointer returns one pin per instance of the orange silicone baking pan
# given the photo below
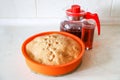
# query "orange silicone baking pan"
(53, 70)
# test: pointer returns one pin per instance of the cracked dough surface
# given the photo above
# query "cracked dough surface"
(53, 49)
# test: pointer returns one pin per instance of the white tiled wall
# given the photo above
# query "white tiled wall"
(108, 10)
(52, 8)
(115, 11)
(17, 8)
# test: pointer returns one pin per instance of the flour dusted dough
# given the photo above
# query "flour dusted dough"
(53, 49)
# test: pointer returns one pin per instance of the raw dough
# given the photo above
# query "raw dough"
(53, 49)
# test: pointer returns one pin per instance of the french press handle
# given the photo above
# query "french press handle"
(94, 16)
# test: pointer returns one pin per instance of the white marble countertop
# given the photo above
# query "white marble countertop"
(100, 63)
